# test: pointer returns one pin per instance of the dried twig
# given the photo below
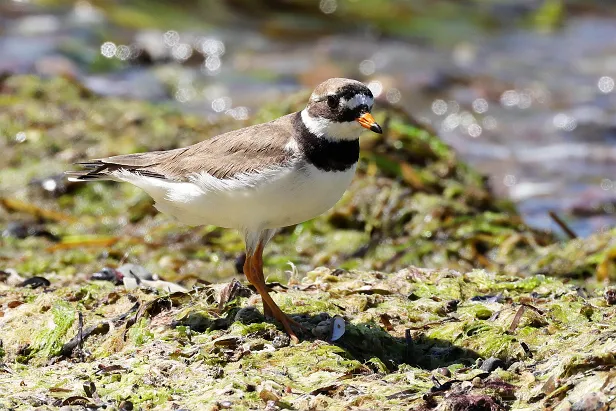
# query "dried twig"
(517, 319)
(563, 225)
(80, 340)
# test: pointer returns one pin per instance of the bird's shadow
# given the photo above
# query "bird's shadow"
(366, 341)
(363, 342)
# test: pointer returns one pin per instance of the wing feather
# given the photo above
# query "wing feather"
(241, 151)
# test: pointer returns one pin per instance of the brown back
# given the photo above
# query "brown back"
(240, 151)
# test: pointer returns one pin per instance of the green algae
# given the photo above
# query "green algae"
(497, 288)
(140, 332)
(169, 358)
(48, 341)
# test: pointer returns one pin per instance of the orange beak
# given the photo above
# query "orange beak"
(367, 121)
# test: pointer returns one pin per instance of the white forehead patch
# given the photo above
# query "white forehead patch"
(357, 100)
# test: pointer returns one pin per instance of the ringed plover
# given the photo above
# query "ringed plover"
(259, 178)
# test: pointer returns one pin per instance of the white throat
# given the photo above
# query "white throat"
(331, 130)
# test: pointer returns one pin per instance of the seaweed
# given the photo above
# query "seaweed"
(502, 315)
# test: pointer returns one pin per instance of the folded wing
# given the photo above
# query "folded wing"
(241, 151)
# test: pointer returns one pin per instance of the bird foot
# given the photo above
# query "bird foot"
(287, 324)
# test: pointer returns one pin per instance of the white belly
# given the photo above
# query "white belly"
(277, 198)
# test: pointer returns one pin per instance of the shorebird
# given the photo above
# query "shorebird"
(259, 178)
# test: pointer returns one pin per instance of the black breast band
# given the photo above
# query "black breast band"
(325, 154)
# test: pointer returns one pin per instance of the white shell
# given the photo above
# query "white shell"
(132, 284)
(338, 328)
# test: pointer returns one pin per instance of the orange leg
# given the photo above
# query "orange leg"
(250, 276)
(259, 282)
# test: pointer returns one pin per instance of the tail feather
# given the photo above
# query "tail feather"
(101, 170)
(85, 176)
(94, 170)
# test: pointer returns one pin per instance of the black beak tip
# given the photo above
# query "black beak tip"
(376, 128)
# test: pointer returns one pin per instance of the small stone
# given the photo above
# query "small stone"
(126, 406)
(443, 371)
(451, 306)
(413, 297)
(329, 328)
(196, 321)
(271, 406)
(318, 318)
(590, 402)
(491, 364)
(107, 274)
(517, 367)
(322, 330)
(136, 271)
(482, 313)
(21, 230)
(610, 296)
(281, 341)
(268, 391)
(249, 315)
(35, 282)
(11, 277)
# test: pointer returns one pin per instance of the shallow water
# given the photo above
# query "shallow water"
(534, 110)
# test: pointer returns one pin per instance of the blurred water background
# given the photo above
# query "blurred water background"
(523, 89)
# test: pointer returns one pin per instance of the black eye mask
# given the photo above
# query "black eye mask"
(353, 114)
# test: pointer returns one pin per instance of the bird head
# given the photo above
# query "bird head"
(339, 109)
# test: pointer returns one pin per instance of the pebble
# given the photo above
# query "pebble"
(11, 277)
(590, 402)
(134, 270)
(610, 296)
(491, 364)
(517, 367)
(249, 315)
(35, 282)
(126, 406)
(329, 329)
(271, 406)
(281, 341)
(451, 306)
(22, 229)
(443, 371)
(107, 274)
(322, 330)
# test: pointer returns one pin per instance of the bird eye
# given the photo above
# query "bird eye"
(332, 101)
